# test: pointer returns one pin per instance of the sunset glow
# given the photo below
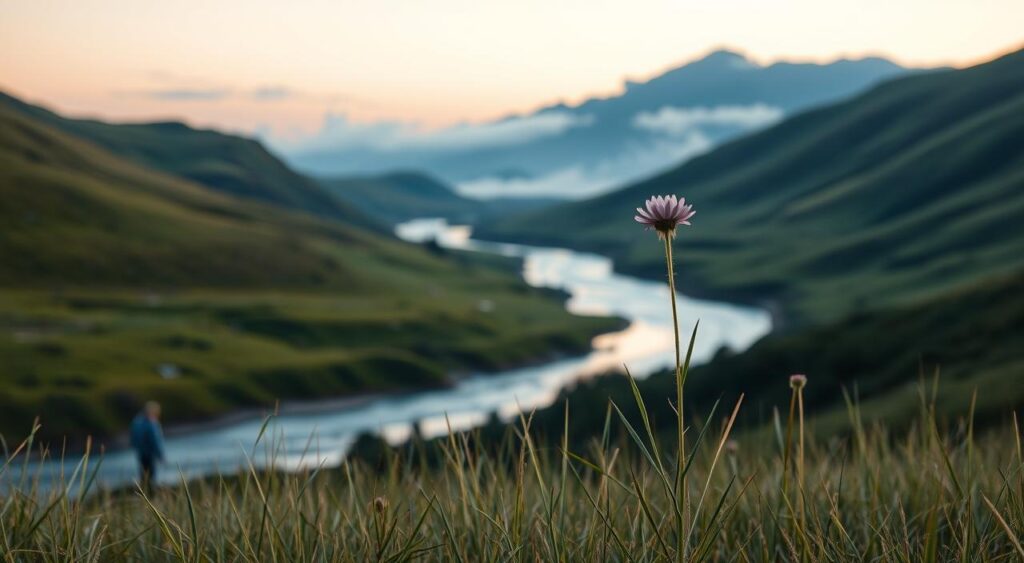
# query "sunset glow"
(280, 67)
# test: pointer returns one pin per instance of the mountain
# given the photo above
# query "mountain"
(225, 163)
(906, 191)
(121, 283)
(574, 151)
(402, 196)
(76, 214)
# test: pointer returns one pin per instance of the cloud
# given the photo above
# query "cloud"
(676, 135)
(675, 121)
(660, 139)
(197, 93)
(340, 133)
(572, 178)
(578, 181)
(186, 94)
(513, 131)
(272, 93)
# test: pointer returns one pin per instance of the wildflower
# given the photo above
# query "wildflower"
(664, 214)
(797, 381)
(380, 505)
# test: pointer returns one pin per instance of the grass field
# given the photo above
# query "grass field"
(936, 492)
(86, 360)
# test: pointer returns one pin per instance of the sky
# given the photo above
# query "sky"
(280, 68)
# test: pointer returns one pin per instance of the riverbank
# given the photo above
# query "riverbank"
(85, 360)
(291, 407)
(596, 295)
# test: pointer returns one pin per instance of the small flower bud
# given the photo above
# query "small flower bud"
(380, 505)
(797, 381)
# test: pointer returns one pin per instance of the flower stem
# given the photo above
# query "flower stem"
(789, 445)
(681, 461)
(675, 327)
(800, 455)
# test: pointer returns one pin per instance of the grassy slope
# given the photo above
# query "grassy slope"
(877, 356)
(908, 190)
(109, 269)
(226, 163)
(403, 196)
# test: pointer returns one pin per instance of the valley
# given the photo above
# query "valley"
(113, 272)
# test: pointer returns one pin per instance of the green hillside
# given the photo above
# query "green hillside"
(111, 272)
(878, 358)
(904, 192)
(402, 196)
(76, 214)
(226, 163)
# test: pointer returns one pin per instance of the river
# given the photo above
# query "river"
(320, 434)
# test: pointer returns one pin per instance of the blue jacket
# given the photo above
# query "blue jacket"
(147, 438)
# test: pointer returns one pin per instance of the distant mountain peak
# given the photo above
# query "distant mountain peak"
(711, 96)
(877, 61)
(168, 126)
(726, 58)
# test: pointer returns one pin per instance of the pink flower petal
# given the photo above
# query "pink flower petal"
(664, 213)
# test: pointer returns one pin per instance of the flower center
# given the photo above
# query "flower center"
(666, 225)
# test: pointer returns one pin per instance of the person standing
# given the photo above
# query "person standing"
(148, 441)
